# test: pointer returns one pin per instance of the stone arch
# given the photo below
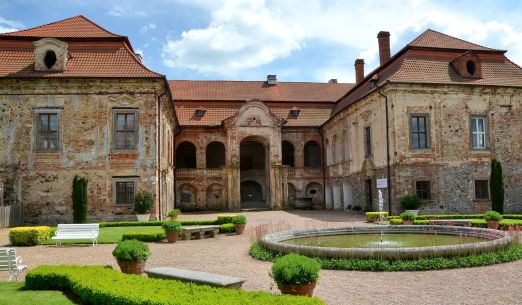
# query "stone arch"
(312, 154)
(347, 194)
(215, 155)
(215, 198)
(186, 155)
(288, 153)
(187, 197)
(314, 191)
(251, 191)
(291, 195)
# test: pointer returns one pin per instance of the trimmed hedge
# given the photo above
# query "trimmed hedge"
(145, 236)
(227, 228)
(396, 221)
(512, 216)
(156, 223)
(373, 216)
(503, 225)
(450, 216)
(29, 236)
(96, 285)
(225, 218)
(501, 256)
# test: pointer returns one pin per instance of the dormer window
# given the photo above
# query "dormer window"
(50, 59)
(200, 112)
(294, 112)
(468, 65)
(50, 55)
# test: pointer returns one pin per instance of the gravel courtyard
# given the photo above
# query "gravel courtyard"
(228, 255)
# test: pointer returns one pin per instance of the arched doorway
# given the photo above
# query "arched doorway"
(291, 195)
(254, 187)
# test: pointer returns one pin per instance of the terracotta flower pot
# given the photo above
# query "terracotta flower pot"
(173, 217)
(172, 237)
(132, 267)
(240, 228)
(493, 224)
(407, 222)
(300, 289)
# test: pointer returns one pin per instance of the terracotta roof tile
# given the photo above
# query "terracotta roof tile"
(248, 90)
(434, 39)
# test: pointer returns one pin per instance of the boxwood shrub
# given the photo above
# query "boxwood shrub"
(29, 236)
(145, 236)
(156, 223)
(373, 216)
(225, 218)
(227, 228)
(295, 269)
(503, 225)
(96, 285)
(131, 250)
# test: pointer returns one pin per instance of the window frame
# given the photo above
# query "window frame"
(36, 119)
(430, 197)
(472, 133)
(426, 116)
(115, 181)
(116, 112)
(475, 190)
(368, 151)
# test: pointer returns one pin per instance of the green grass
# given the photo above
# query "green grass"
(13, 294)
(110, 235)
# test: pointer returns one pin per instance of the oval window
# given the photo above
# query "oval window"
(50, 59)
(471, 67)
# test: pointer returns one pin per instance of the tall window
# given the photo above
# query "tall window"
(482, 189)
(423, 189)
(124, 193)
(125, 130)
(367, 142)
(419, 132)
(47, 135)
(478, 132)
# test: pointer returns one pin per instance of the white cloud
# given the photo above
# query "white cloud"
(9, 25)
(126, 11)
(148, 27)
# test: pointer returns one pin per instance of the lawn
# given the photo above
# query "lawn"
(110, 235)
(12, 294)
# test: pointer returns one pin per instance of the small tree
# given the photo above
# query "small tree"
(496, 185)
(79, 198)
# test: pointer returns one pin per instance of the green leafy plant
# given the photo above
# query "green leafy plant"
(410, 202)
(227, 228)
(131, 250)
(396, 221)
(29, 236)
(408, 216)
(225, 218)
(79, 198)
(239, 220)
(174, 213)
(295, 269)
(496, 185)
(492, 215)
(145, 236)
(372, 216)
(143, 202)
(172, 226)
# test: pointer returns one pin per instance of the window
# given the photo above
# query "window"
(50, 59)
(124, 193)
(478, 132)
(482, 189)
(48, 128)
(367, 142)
(423, 190)
(312, 154)
(419, 132)
(125, 130)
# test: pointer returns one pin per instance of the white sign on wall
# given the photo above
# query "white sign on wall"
(382, 183)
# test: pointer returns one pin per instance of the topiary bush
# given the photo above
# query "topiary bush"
(411, 202)
(239, 220)
(492, 215)
(294, 269)
(227, 228)
(407, 216)
(145, 236)
(79, 198)
(143, 202)
(131, 250)
(29, 236)
(172, 226)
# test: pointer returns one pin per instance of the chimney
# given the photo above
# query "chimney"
(333, 81)
(271, 79)
(384, 46)
(138, 56)
(359, 70)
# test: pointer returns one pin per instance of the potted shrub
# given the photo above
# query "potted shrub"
(131, 255)
(173, 214)
(143, 203)
(296, 274)
(411, 203)
(493, 218)
(173, 229)
(408, 218)
(239, 222)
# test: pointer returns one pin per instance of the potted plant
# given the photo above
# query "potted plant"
(239, 222)
(131, 255)
(173, 229)
(408, 218)
(411, 203)
(173, 214)
(296, 274)
(143, 203)
(493, 218)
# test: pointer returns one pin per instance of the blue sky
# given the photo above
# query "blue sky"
(301, 40)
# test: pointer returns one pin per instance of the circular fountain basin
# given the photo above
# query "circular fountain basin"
(433, 241)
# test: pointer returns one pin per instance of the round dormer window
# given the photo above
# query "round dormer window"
(471, 66)
(50, 59)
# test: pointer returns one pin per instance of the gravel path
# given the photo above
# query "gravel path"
(228, 254)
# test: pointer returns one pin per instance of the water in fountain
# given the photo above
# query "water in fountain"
(381, 207)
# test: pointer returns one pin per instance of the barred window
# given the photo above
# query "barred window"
(423, 189)
(419, 132)
(125, 192)
(47, 134)
(482, 189)
(125, 130)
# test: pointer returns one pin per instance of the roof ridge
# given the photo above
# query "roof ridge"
(95, 24)
(253, 81)
(446, 35)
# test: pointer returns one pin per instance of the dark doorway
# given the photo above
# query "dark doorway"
(215, 155)
(251, 191)
(186, 155)
(288, 153)
(369, 194)
(253, 173)
(312, 154)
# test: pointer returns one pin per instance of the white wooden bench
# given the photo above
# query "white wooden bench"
(11, 263)
(200, 278)
(88, 231)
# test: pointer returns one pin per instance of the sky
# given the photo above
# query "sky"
(301, 40)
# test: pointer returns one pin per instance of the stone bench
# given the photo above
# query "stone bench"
(451, 222)
(198, 232)
(200, 278)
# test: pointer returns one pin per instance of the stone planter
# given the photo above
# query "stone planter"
(143, 217)
(407, 222)
(301, 289)
(172, 237)
(173, 217)
(240, 228)
(132, 267)
(493, 224)
(414, 212)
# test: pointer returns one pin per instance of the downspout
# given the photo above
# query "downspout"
(387, 150)
(324, 165)
(177, 132)
(158, 149)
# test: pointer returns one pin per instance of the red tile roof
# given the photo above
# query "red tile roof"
(190, 90)
(434, 39)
